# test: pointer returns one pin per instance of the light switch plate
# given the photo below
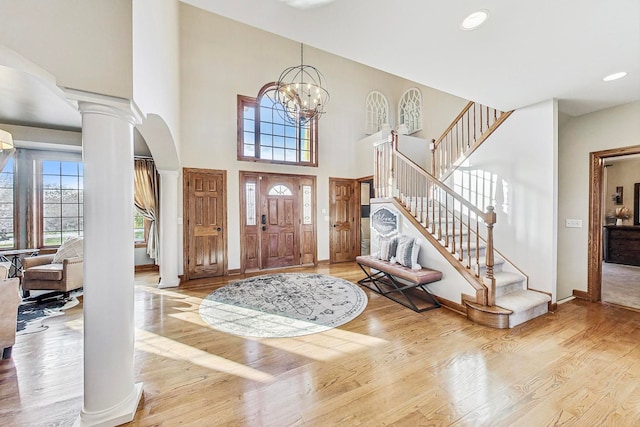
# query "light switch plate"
(573, 223)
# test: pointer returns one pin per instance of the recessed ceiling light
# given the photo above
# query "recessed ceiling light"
(306, 4)
(615, 76)
(474, 20)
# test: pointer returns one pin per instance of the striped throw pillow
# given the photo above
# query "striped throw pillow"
(407, 252)
(387, 247)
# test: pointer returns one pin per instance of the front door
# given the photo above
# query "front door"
(279, 221)
(205, 234)
(342, 214)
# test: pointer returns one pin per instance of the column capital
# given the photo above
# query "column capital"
(95, 103)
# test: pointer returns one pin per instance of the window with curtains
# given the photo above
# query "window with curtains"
(265, 134)
(140, 229)
(147, 204)
(41, 199)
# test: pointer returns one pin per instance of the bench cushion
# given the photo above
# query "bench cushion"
(420, 277)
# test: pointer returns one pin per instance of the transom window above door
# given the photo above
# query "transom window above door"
(280, 190)
(266, 135)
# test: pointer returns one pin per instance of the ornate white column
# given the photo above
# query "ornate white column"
(110, 394)
(168, 229)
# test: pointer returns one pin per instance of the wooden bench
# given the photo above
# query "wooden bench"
(388, 280)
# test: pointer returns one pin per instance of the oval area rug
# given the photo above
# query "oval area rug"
(283, 305)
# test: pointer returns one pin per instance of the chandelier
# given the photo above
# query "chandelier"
(301, 90)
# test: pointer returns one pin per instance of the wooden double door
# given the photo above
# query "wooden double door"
(278, 220)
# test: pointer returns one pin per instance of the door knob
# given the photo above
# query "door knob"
(219, 228)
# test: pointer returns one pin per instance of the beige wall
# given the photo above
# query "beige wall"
(221, 58)
(623, 173)
(84, 44)
(578, 136)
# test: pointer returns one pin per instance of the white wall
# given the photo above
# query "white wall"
(221, 59)
(156, 80)
(602, 130)
(520, 161)
(85, 44)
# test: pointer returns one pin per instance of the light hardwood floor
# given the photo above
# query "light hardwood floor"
(621, 285)
(579, 366)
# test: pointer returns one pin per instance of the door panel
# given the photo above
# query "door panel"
(280, 243)
(343, 220)
(205, 239)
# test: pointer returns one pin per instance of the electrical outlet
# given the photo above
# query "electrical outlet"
(573, 223)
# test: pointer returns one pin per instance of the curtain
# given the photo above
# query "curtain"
(147, 200)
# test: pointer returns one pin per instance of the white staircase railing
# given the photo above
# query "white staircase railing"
(474, 124)
(457, 224)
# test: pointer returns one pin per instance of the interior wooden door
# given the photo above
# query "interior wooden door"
(279, 221)
(342, 214)
(205, 223)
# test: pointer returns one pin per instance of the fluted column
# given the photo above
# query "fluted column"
(110, 394)
(168, 229)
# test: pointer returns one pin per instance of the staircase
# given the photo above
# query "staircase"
(458, 229)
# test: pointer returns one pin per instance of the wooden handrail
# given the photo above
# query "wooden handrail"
(463, 137)
(438, 141)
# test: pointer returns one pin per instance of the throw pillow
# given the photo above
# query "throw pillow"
(387, 247)
(407, 252)
(70, 248)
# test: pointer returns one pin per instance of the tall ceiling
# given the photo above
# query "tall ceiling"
(526, 52)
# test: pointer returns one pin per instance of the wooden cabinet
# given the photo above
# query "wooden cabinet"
(621, 244)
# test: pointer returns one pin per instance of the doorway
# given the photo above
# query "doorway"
(344, 205)
(277, 220)
(366, 194)
(205, 223)
(597, 217)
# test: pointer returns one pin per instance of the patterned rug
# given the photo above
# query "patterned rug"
(283, 305)
(31, 314)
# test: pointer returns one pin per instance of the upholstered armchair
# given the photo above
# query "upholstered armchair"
(9, 302)
(41, 273)
(59, 272)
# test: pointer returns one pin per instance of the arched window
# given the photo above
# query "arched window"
(410, 110)
(265, 134)
(280, 190)
(377, 108)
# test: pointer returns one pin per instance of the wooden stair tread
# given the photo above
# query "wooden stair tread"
(488, 309)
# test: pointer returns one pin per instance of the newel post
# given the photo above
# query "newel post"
(489, 279)
(432, 147)
(393, 139)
